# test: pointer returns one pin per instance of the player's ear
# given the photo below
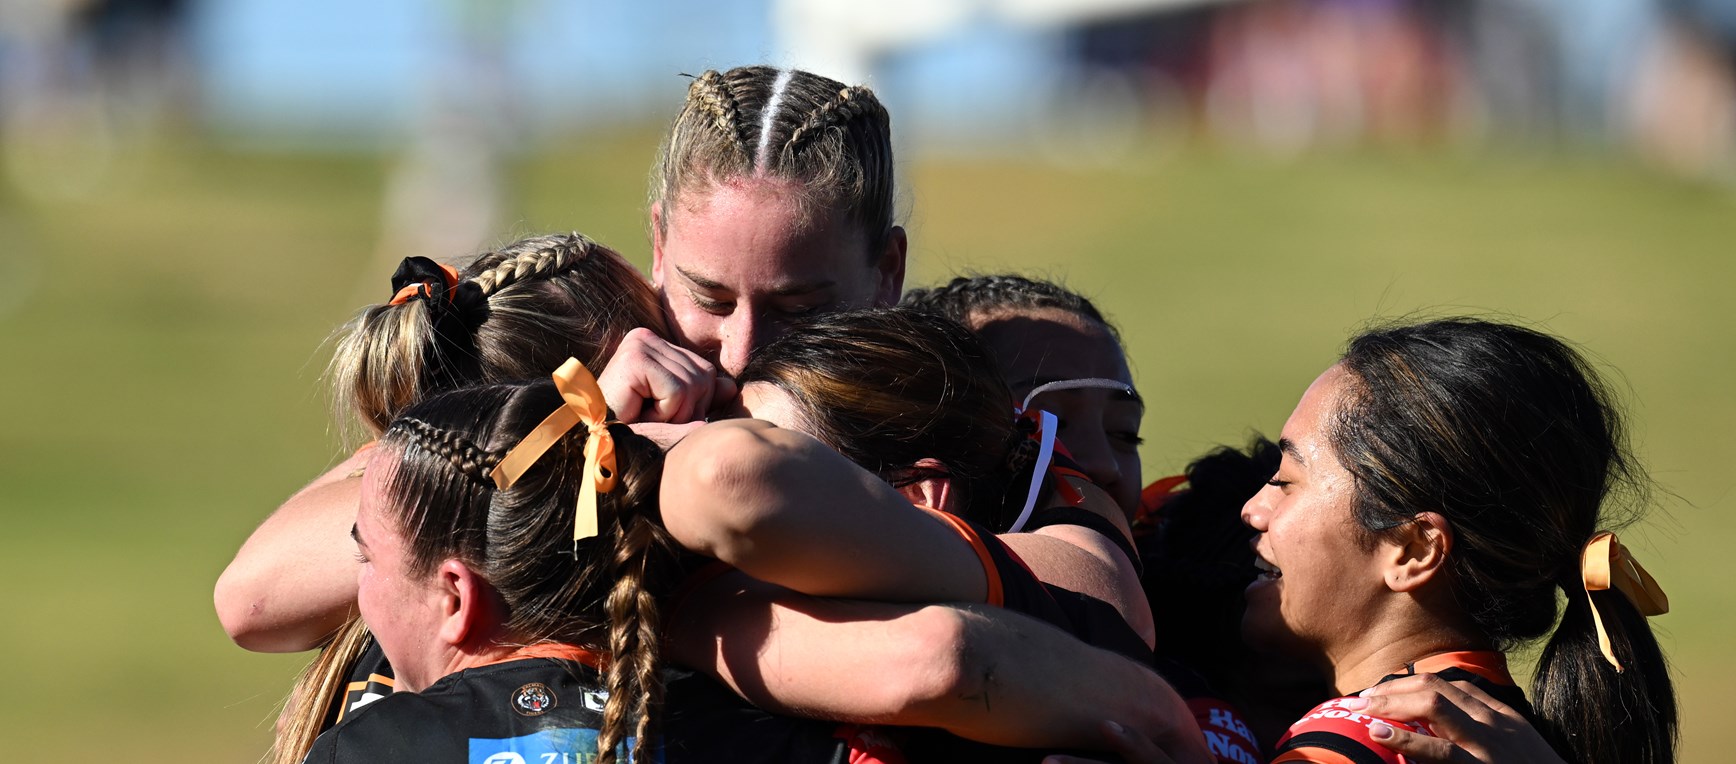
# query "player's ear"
(889, 268)
(1416, 553)
(467, 603)
(931, 492)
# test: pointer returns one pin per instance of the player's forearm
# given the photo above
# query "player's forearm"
(294, 581)
(979, 672)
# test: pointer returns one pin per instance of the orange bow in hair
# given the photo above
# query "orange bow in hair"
(584, 403)
(1606, 564)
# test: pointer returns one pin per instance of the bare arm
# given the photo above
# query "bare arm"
(294, 581)
(1083, 560)
(980, 672)
(785, 508)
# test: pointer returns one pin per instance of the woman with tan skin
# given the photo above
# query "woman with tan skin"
(1439, 485)
(1449, 463)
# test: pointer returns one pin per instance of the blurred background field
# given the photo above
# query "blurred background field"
(168, 279)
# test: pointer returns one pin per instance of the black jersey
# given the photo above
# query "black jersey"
(370, 679)
(544, 710)
(1012, 585)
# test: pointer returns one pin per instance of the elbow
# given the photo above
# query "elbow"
(239, 612)
(241, 608)
(712, 492)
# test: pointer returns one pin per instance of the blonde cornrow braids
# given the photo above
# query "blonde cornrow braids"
(833, 141)
(851, 104)
(714, 93)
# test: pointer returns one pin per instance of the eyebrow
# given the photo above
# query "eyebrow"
(782, 290)
(1289, 448)
(1130, 394)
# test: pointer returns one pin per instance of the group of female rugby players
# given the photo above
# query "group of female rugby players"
(765, 508)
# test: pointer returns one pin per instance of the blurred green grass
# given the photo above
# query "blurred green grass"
(163, 344)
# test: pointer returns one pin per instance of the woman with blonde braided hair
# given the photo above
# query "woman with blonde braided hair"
(772, 198)
(514, 313)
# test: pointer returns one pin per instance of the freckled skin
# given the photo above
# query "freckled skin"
(737, 262)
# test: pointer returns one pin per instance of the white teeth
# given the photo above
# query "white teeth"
(1267, 568)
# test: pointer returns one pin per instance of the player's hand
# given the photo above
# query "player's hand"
(651, 380)
(1469, 725)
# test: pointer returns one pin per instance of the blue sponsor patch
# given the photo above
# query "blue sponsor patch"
(559, 746)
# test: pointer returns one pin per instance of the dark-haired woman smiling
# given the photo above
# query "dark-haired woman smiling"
(1439, 484)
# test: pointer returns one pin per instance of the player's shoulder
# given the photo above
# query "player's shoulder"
(1331, 733)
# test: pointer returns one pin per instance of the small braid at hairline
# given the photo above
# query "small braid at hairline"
(473, 461)
(565, 252)
(848, 106)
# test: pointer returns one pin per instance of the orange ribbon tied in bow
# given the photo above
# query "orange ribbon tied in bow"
(584, 403)
(1606, 564)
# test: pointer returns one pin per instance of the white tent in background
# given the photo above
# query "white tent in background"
(842, 38)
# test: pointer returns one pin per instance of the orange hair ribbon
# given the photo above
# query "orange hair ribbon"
(1606, 564)
(409, 292)
(584, 404)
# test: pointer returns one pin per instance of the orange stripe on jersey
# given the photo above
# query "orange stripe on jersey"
(372, 679)
(1313, 756)
(997, 595)
(1487, 664)
(558, 650)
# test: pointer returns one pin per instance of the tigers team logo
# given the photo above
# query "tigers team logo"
(534, 699)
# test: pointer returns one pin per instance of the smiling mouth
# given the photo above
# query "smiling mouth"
(1268, 571)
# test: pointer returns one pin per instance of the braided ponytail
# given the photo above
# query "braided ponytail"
(537, 257)
(641, 564)
(516, 313)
